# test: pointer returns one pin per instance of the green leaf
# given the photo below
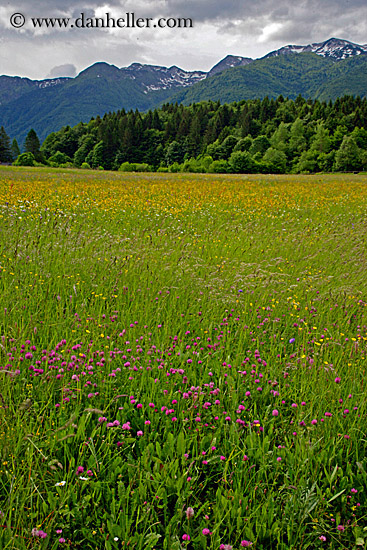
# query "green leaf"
(333, 474)
(151, 539)
(158, 449)
(181, 444)
(336, 496)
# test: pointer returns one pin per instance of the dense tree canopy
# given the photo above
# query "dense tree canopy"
(268, 135)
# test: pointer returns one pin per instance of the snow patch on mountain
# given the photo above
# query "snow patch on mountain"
(335, 48)
(154, 77)
(52, 82)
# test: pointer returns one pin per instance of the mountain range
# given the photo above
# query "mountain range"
(323, 71)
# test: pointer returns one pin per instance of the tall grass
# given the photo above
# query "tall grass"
(177, 342)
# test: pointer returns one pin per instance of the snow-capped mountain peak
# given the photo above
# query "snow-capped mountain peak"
(335, 48)
(155, 77)
(152, 78)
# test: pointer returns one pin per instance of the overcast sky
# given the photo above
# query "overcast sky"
(220, 27)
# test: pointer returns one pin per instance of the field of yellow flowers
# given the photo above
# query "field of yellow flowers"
(182, 361)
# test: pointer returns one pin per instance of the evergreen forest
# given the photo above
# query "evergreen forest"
(250, 136)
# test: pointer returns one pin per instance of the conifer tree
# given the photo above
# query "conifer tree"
(5, 148)
(15, 151)
(32, 145)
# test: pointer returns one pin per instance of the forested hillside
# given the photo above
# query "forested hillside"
(268, 136)
(48, 105)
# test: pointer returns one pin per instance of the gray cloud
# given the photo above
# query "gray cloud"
(239, 27)
(68, 69)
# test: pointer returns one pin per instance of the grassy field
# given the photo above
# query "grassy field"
(183, 361)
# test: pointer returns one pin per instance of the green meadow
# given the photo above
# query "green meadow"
(182, 361)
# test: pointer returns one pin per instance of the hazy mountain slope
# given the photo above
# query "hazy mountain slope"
(79, 99)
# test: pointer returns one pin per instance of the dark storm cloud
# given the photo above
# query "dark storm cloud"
(203, 10)
(215, 10)
(281, 23)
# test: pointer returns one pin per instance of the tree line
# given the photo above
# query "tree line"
(251, 136)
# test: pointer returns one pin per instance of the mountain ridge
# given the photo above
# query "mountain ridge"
(47, 105)
(335, 48)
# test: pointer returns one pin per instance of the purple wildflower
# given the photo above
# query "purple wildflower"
(189, 512)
